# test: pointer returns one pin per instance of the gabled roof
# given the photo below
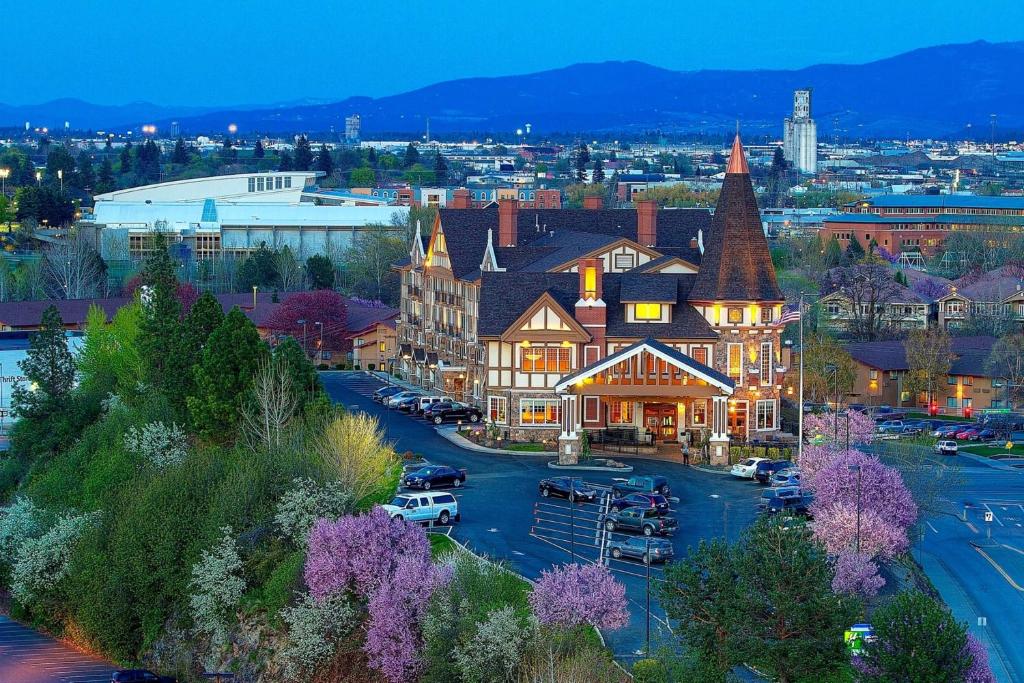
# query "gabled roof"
(561, 234)
(637, 287)
(892, 355)
(663, 351)
(736, 265)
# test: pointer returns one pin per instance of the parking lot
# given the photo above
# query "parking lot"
(27, 656)
(504, 517)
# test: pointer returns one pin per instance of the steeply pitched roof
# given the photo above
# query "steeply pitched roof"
(636, 287)
(549, 237)
(736, 265)
(506, 296)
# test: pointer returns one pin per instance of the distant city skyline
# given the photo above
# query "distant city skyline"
(211, 55)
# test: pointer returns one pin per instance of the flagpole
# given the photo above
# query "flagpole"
(800, 426)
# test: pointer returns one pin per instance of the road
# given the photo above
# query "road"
(27, 656)
(503, 516)
(982, 578)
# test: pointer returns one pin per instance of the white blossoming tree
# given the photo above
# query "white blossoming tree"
(157, 442)
(42, 562)
(217, 587)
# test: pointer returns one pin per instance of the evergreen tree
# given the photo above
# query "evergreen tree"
(917, 641)
(303, 154)
(259, 268)
(441, 169)
(49, 370)
(305, 379)
(833, 256)
(126, 158)
(598, 176)
(412, 156)
(371, 157)
(854, 251)
(222, 378)
(161, 319)
(202, 319)
(901, 278)
(258, 151)
(180, 154)
(582, 159)
(85, 176)
(105, 179)
(320, 271)
(109, 144)
(324, 161)
(284, 162)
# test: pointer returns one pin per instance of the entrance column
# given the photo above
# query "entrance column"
(719, 441)
(569, 439)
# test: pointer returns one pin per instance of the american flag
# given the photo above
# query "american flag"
(790, 316)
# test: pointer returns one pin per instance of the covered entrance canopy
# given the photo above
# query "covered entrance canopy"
(647, 371)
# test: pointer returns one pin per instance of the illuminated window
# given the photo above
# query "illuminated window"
(590, 282)
(766, 363)
(546, 359)
(540, 411)
(736, 316)
(497, 409)
(699, 354)
(766, 414)
(621, 412)
(647, 311)
(700, 413)
(735, 362)
(767, 314)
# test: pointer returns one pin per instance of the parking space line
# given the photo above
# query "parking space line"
(994, 515)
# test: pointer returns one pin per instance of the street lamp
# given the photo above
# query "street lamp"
(856, 468)
(834, 370)
(60, 174)
(320, 346)
(4, 174)
(39, 178)
(302, 322)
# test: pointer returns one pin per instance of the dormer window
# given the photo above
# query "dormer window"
(767, 314)
(647, 311)
(590, 282)
(735, 315)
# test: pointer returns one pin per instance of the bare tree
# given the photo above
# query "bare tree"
(289, 270)
(73, 268)
(367, 263)
(1006, 362)
(272, 405)
(870, 289)
(929, 356)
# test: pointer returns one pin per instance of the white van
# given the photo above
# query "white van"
(425, 506)
(425, 402)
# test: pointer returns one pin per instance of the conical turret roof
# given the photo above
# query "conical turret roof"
(736, 265)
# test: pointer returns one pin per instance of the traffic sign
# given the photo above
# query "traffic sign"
(988, 516)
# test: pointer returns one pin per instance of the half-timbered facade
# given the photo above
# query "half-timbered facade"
(561, 321)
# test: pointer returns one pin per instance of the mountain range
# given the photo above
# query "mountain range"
(935, 91)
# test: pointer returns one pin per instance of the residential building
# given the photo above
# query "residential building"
(800, 134)
(568, 320)
(882, 369)
(993, 301)
(374, 346)
(841, 314)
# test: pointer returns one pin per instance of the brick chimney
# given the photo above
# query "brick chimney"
(647, 222)
(460, 199)
(508, 222)
(593, 202)
(590, 308)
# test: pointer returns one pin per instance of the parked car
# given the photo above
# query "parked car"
(655, 501)
(789, 477)
(643, 549)
(646, 483)
(745, 468)
(797, 505)
(640, 520)
(780, 492)
(140, 676)
(969, 434)
(947, 430)
(560, 486)
(393, 400)
(452, 410)
(766, 469)
(432, 476)
(411, 467)
(426, 506)
(984, 434)
(406, 405)
(817, 407)
(386, 392)
(891, 427)
(947, 447)
(425, 402)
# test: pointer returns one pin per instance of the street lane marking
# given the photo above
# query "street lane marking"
(994, 515)
(1016, 550)
(931, 527)
(972, 527)
(1009, 579)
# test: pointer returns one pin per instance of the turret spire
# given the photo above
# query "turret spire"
(737, 161)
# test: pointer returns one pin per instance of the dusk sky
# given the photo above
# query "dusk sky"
(226, 53)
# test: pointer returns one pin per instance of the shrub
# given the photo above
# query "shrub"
(649, 671)
(494, 651)
(217, 587)
(19, 522)
(157, 442)
(306, 502)
(314, 628)
(856, 574)
(354, 450)
(41, 563)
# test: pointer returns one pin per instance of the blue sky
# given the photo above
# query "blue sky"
(224, 52)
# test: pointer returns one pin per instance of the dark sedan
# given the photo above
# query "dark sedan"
(140, 676)
(766, 469)
(432, 476)
(560, 486)
(449, 411)
(653, 501)
(406, 405)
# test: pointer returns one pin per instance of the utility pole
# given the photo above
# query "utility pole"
(800, 419)
(572, 518)
(647, 563)
(302, 322)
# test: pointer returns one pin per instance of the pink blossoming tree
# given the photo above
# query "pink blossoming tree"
(386, 563)
(881, 488)
(836, 529)
(824, 427)
(856, 574)
(979, 670)
(580, 594)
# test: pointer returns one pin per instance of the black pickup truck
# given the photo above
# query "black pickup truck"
(639, 520)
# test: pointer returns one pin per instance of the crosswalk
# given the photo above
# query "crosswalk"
(27, 656)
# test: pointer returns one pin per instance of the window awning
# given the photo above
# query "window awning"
(671, 356)
(405, 351)
(419, 355)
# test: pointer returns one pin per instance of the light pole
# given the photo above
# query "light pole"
(39, 178)
(647, 562)
(4, 173)
(856, 468)
(302, 322)
(254, 288)
(834, 369)
(572, 518)
(60, 175)
(320, 345)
